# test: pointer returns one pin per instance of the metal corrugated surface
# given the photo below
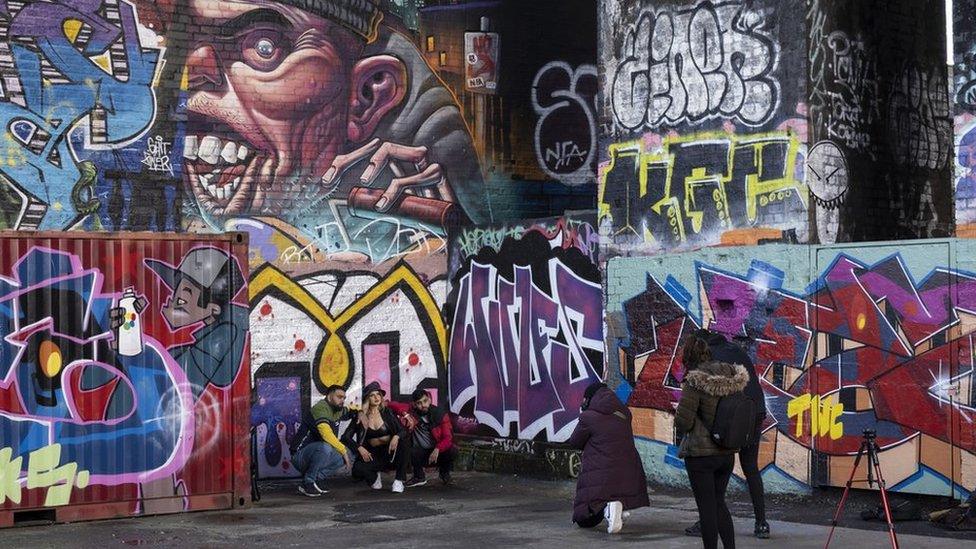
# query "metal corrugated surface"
(111, 413)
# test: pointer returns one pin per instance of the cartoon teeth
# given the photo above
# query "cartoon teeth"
(229, 152)
(221, 192)
(190, 145)
(209, 150)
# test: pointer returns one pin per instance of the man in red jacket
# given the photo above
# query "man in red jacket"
(432, 438)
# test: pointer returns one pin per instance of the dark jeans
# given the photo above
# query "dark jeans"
(367, 470)
(592, 520)
(420, 456)
(709, 477)
(749, 460)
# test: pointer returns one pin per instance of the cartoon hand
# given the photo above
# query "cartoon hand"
(429, 181)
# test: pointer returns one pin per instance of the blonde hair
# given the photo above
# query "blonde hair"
(367, 407)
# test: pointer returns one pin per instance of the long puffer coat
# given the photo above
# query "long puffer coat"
(611, 467)
(703, 387)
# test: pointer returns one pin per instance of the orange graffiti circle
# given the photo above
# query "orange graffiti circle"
(50, 358)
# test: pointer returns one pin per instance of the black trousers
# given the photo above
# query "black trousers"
(420, 456)
(709, 477)
(749, 460)
(382, 461)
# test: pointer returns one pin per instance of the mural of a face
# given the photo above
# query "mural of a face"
(276, 93)
(183, 308)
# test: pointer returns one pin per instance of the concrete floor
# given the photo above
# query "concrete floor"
(481, 510)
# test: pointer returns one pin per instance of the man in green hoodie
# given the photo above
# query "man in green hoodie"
(317, 452)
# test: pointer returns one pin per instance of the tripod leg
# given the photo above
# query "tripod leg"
(847, 489)
(884, 497)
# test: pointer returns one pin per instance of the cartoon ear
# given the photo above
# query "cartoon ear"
(379, 84)
(214, 310)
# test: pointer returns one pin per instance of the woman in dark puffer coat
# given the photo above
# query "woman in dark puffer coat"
(709, 466)
(611, 478)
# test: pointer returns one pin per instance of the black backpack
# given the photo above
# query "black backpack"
(735, 422)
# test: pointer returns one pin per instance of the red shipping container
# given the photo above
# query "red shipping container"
(124, 375)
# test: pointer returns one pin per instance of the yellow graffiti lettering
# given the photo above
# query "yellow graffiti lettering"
(824, 415)
(44, 471)
(335, 365)
(9, 476)
(684, 201)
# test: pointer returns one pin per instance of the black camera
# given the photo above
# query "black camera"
(869, 434)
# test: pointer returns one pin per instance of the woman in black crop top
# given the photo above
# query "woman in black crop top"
(377, 437)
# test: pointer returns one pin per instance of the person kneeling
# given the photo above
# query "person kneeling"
(377, 435)
(611, 475)
(432, 440)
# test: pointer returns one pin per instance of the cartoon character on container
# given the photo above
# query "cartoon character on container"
(203, 288)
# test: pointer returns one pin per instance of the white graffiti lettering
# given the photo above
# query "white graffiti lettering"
(565, 134)
(714, 60)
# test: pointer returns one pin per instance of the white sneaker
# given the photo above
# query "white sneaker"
(614, 515)
(378, 485)
(398, 486)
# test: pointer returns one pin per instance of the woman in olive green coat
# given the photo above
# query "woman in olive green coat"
(709, 466)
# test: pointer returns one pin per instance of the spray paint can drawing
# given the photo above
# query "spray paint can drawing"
(130, 333)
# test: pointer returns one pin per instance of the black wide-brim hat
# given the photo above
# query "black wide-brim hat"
(373, 387)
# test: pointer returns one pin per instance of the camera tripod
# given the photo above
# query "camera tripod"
(870, 447)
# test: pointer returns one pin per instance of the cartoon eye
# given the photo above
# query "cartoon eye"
(49, 357)
(264, 49)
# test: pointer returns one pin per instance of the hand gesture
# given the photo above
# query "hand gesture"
(364, 453)
(433, 456)
(345, 458)
(429, 181)
(393, 444)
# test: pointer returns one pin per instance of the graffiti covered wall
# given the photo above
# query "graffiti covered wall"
(316, 325)
(430, 116)
(121, 375)
(880, 121)
(84, 124)
(526, 327)
(964, 95)
(704, 132)
(843, 339)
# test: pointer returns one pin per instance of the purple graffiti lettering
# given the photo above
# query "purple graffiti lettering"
(523, 355)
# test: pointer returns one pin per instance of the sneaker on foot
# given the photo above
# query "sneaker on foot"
(310, 492)
(614, 515)
(694, 530)
(319, 489)
(762, 530)
(397, 486)
(416, 481)
(378, 484)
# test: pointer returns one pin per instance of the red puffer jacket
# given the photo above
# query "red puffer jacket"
(441, 429)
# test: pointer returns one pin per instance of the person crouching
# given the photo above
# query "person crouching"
(376, 436)
(611, 476)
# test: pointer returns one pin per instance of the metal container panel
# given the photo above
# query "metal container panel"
(107, 412)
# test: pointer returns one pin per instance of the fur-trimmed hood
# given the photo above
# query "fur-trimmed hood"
(718, 378)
